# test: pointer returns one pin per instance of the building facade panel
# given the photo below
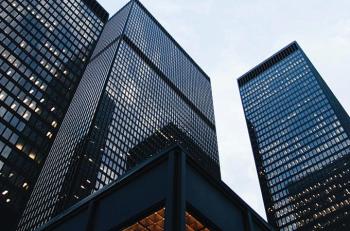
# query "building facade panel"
(112, 30)
(297, 130)
(124, 98)
(148, 104)
(48, 188)
(44, 48)
(163, 51)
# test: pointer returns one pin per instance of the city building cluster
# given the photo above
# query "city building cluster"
(106, 123)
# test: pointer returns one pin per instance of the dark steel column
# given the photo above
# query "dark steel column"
(175, 201)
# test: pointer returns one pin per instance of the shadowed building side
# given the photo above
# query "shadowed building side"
(165, 137)
(44, 49)
(83, 171)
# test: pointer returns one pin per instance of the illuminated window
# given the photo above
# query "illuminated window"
(32, 155)
(192, 224)
(19, 146)
(54, 124)
(23, 44)
(49, 134)
(155, 222)
(32, 105)
(2, 95)
(26, 115)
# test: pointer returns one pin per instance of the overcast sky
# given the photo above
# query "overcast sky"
(227, 38)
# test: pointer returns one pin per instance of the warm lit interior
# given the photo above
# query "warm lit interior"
(192, 224)
(155, 222)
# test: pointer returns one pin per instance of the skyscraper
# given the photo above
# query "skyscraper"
(300, 139)
(44, 48)
(139, 83)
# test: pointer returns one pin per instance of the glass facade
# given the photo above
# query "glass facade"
(44, 48)
(139, 91)
(300, 138)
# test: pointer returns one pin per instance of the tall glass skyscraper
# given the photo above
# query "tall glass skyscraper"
(44, 48)
(139, 89)
(300, 138)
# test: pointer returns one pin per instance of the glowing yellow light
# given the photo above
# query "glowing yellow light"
(19, 146)
(32, 155)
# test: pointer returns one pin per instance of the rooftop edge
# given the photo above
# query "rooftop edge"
(98, 9)
(268, 63)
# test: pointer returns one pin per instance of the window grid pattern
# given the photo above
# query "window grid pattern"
(84, 104)
(298, 136)
(142, 104)
(112, 30)
(158, 46)
(44, 46)
(123, 99)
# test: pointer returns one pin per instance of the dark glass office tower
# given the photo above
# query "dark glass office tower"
(300, 138)
(44, 48)
(139, 85)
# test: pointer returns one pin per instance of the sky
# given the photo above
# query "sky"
(227, 38)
